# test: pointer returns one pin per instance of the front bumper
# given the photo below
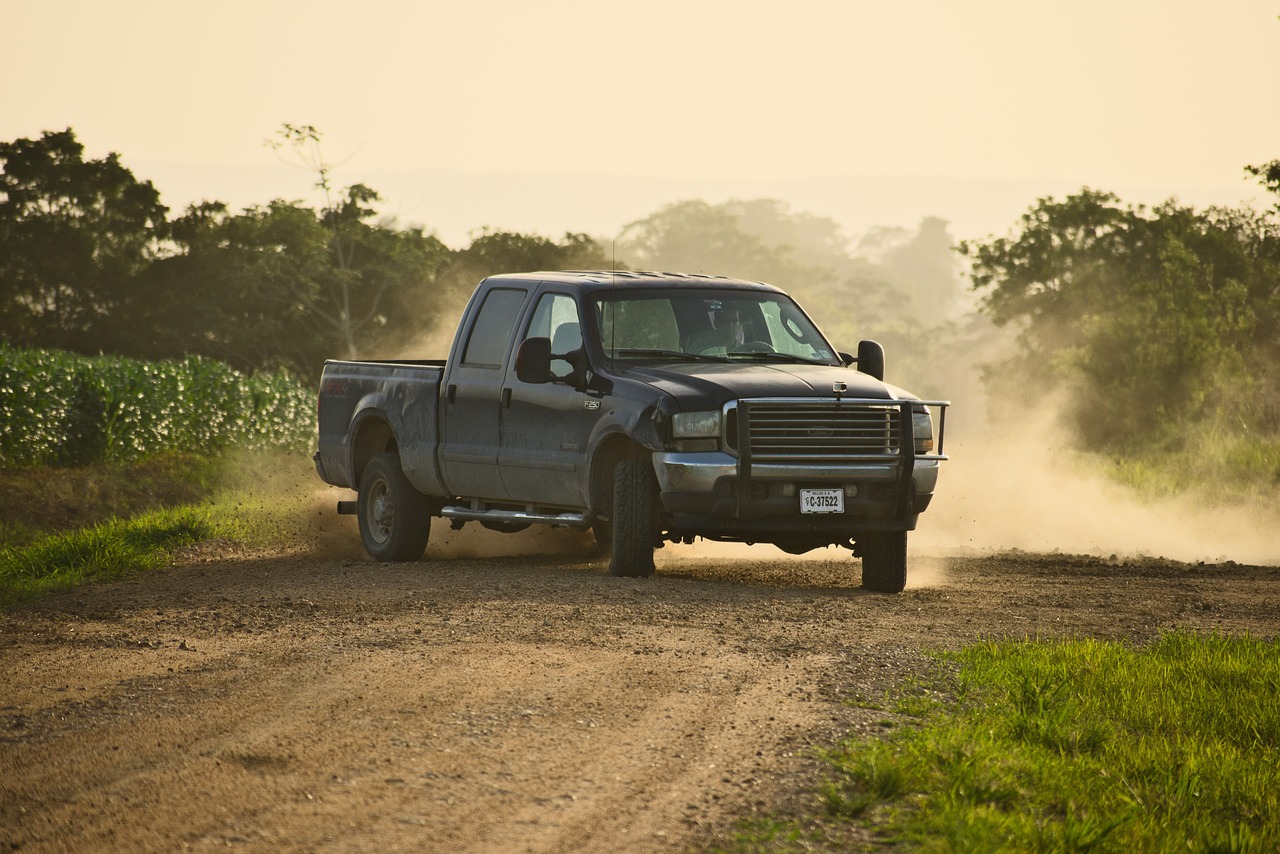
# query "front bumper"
(702, 490)
(749, 493)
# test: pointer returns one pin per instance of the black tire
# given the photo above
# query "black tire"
(395, 518)
(634, 522)
(884, 561)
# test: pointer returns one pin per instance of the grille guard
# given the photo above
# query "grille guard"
(739, 443)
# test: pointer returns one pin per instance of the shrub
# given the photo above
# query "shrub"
(64, 409)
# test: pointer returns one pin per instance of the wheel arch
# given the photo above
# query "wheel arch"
(370, 435)
(612, 449)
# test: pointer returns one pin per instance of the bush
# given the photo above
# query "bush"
(63, 409)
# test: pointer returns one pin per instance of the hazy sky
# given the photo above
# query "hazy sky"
(1167, 98)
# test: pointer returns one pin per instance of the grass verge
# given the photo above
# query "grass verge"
(1065, 746)
(1218, 466)
(38, 501)
(104, 552)
(254, 499)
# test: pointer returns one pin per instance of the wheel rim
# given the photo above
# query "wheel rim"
(379, 512)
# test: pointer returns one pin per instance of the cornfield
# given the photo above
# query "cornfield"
(64, 409)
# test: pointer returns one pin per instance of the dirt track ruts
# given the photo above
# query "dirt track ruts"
(295, 702)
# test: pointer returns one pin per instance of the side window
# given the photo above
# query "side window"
(492, 330)
(556, 317)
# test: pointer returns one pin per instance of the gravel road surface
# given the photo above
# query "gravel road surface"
(314, 701)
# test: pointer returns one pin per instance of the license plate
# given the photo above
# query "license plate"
(822, 501)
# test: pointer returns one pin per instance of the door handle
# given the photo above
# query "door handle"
(451, 393)
(506, 397)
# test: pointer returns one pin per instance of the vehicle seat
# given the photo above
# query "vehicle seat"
(566, 338)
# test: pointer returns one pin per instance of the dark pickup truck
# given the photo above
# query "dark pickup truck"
(650, 407)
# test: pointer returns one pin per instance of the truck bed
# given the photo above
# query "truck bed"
(405, 392)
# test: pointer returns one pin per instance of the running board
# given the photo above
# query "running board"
(530, 516)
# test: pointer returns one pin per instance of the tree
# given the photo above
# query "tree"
(1154, 319)
(73, 235)
(1268, 174)
(923, 265)
(351, 297)
(812, 242)
(230, 290)
(495, 251)
(695, 237)
(260, 289)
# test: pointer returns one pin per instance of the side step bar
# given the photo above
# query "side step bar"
(515, 517)
(523, 517)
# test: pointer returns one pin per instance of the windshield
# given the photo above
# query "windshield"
(708, 325)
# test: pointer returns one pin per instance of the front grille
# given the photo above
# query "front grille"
(824, 432)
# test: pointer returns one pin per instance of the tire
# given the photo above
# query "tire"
(884, 561)
(634, 522)
(395, 518)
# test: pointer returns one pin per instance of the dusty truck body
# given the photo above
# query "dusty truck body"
(649, 407)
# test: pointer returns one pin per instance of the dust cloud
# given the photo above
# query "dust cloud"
(338, 537)
(475, 541)
(432, 341)
(1031, 492)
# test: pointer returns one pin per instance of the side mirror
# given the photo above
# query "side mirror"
(846, 359)
(533, 361)
(577, 361)
(871, 359)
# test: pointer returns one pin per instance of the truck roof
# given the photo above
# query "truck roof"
(603, 280)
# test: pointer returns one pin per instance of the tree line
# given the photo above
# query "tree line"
(92, 261)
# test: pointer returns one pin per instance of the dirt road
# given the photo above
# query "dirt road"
(532, 703)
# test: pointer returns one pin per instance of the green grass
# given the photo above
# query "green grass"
(251, 498)
(36, 501)
(1067, 746)
(1216, 465)
(104, 552)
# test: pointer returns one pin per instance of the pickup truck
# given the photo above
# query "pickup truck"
(648, 407)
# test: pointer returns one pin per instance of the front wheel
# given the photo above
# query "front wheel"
(884, 561)
(634, 522)
(395, 518)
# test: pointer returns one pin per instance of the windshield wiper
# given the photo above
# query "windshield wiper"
(774, 356)
(676, 354)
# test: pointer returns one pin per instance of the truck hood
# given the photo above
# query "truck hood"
(700, 385)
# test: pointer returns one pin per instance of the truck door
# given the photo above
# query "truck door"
(546, 427)
(471, 396)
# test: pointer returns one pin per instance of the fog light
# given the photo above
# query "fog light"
(788, 490)
(851, 490)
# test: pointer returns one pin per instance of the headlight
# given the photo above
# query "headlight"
(689, 425)
(922, 429)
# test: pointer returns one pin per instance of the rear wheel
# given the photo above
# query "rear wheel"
(395, 518)
(884, 561)
(634, 521)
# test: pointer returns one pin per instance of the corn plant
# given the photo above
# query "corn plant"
(64, 409)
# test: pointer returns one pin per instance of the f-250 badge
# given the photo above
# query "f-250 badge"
(590, 404)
